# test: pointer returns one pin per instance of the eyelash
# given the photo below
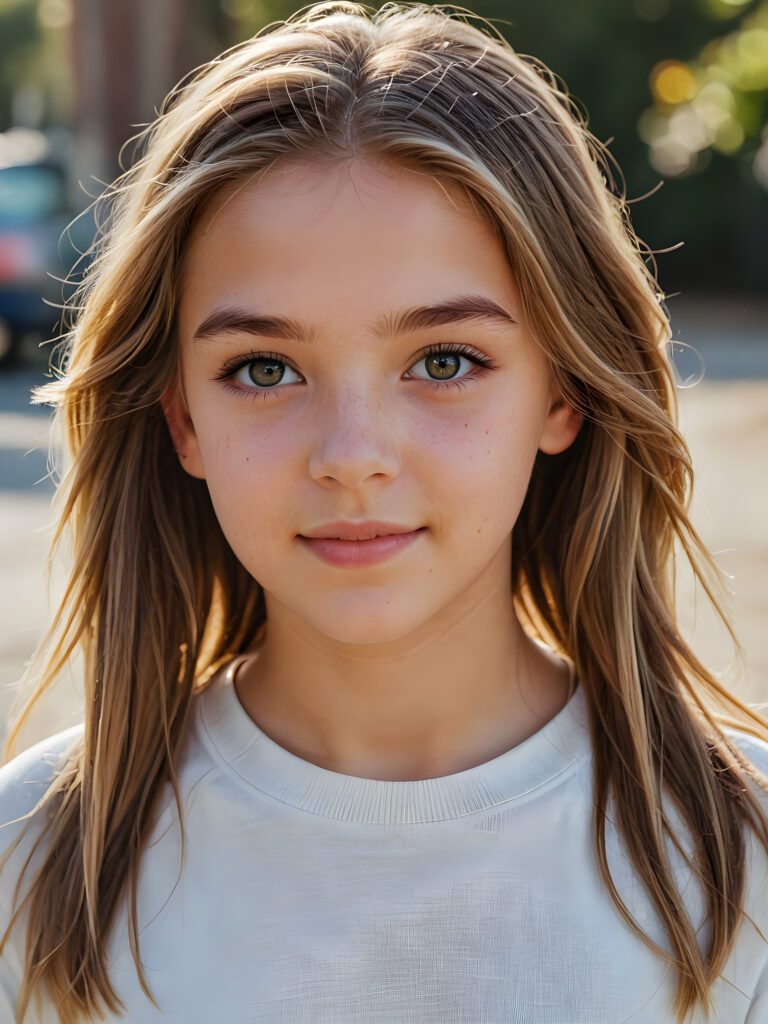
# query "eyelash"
(483, 364)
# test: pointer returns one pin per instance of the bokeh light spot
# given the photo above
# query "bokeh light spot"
(729, 137)
(54, 13)
(752, 57)
(669, 156)
(673, 82)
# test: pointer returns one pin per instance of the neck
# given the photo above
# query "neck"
(455, 693)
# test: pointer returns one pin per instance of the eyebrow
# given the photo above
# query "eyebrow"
(234, 320)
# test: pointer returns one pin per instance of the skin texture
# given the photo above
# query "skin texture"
(415, 667)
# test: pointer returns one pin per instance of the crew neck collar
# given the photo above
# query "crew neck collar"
(255, 760)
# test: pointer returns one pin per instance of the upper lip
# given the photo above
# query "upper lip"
(345, 530)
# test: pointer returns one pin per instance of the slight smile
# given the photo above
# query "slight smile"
(354, 545)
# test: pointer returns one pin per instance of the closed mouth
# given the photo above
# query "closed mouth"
(358, 531)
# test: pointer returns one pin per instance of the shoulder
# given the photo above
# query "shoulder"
(753, 748)
(23, 782)
(25, 778)
(748, 965)
(755, 777)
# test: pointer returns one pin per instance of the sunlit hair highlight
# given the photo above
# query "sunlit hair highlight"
(155, 612)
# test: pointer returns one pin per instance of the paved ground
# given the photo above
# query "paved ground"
(725, 419)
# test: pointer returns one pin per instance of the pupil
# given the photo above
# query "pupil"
(442, 367)
(265, 373)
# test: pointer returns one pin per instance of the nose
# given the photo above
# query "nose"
(354, 440)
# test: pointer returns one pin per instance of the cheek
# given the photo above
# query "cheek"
(248, 473)
(480, 461)
(238, 453)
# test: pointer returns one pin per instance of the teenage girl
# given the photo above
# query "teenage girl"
(374, 485)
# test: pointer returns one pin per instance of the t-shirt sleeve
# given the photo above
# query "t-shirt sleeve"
(756, 751)
(23, 782)
(10, 978)
(758, 1009)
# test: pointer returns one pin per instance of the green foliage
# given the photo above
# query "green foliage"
(19, 45)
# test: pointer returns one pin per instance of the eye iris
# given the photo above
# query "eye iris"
(442, 366)
(265, 372)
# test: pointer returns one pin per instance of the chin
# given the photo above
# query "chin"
(357, 621)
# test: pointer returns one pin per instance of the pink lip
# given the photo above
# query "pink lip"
(358, 544)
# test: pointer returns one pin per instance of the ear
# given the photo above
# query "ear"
(561, 425)
(182, 430)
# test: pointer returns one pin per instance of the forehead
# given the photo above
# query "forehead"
(314, 187)
(362, 234)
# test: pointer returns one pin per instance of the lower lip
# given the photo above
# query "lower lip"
(356, 553)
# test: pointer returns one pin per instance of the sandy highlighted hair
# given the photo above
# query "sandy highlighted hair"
(154, 611)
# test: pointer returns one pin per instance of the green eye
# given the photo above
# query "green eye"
(265, 373)
(441, 366)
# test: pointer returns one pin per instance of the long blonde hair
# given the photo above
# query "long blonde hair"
(155, 613)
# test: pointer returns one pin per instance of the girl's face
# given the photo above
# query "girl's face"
(353, 349)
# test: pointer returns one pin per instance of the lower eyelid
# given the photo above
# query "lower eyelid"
(455, 382)
(251, 392)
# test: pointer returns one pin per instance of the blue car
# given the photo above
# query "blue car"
(36, 251)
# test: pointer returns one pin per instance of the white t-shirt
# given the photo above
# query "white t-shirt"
(311, 896)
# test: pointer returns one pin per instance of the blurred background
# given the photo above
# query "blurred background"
(678, 89)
